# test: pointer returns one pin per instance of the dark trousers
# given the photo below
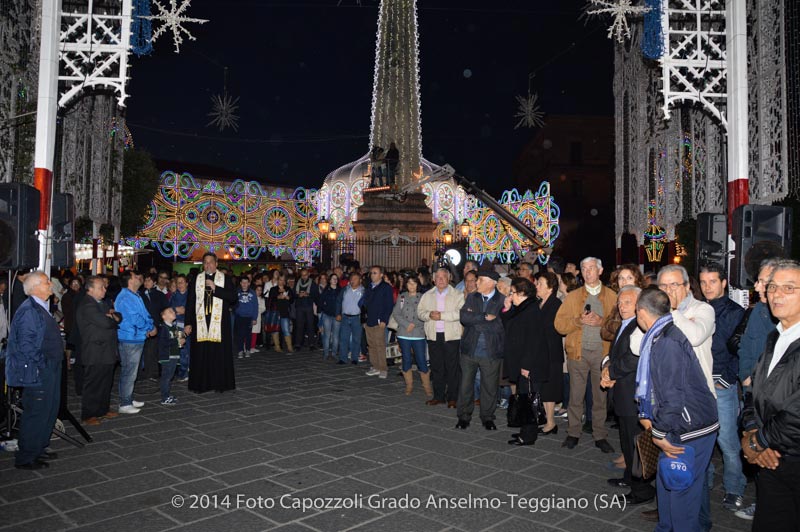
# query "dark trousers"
(304, 326)
(629, 429)
(150, 358)
(490, 379)
(778, 497)
(97, 384)
(77, 371)
(445, 368)
(242, 327)
(167, 371)
(39, 411)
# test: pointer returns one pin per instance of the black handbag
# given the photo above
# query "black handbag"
(512, 413)
(530, 410)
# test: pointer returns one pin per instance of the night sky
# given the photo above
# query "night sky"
(303, 71)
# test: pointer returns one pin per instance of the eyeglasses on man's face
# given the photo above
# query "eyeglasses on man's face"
(670, 286)
(784, 288)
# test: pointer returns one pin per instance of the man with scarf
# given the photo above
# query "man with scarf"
(678, 408)
(208, 321)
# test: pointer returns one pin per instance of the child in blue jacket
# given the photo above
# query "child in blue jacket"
(245, 316)
(170, 341)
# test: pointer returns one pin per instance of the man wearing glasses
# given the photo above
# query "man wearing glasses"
(772, 418)
(163, 282)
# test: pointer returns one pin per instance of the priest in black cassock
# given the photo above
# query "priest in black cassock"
(208, 320)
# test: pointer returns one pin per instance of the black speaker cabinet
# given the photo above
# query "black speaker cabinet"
(760, 232)
(63, 231)
(712, 236)
(19, 221)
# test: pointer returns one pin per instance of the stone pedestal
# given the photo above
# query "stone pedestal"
(392, 233)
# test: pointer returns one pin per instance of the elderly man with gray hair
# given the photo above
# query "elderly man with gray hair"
(35, 354)
(580, 318)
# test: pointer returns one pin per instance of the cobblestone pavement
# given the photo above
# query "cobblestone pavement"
(296, 429)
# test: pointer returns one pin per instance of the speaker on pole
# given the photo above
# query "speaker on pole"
(712, 235)
(19, 221)
(760, 232)
(63, 221)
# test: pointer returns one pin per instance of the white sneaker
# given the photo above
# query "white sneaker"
(247, 354)
(137, 404)
(371, 372)
(128, 409)
(383, 374)
(256, 350)
(241, 354)
(746, 513)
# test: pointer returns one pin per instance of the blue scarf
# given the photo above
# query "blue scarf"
(644, 388)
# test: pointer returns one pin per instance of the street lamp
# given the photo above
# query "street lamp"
(448, 237)
(324, 226)
(465, 228)
(332, 236)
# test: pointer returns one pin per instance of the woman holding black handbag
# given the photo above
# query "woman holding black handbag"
(524, 360)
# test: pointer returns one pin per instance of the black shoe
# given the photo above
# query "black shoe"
(570, 442)
(615, 426)
(617, 483)
(587, 428)
(650, 515)
(32, 466)
(48, 456)
(354, 362)
(341, 362)
(630, 498)
(489, 425)
(515, 435)
(519, 443)
(604, 446)
(554, 430)
(462, 424)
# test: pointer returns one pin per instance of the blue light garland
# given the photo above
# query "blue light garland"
(141, 28)
(653, 39)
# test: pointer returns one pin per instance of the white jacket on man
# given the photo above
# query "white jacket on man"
(451, 315)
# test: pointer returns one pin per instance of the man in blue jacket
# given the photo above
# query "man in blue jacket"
(379, 302)
(728, 315)
(245, 316)
(675, 402)
(136, 326)
(35, 353)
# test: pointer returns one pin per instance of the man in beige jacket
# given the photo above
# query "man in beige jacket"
(579, 319)
(440, 309)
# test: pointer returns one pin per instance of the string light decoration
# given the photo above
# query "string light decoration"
(529, 113)
(119, 130)
(188, 214)
(173, 19)
(224, 107)
(656, 236)
(141, 29)
(619, 10)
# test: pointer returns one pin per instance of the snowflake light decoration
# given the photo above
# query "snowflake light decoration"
(172, 19)
(529, 113)
(619, 9)
(223, 112)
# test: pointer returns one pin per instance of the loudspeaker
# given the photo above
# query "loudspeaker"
(63, 221)
(19, 221)
(760, 232)
(712, 235)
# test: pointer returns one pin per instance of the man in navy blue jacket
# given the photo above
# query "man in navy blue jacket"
(728, 315)
(245, 316)
(35, 353)
(675, 402)
(379, 302)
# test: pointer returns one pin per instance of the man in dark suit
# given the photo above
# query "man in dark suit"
(620, 373)
(481, 347)
(155, 301)
(99, 352)
(34, 358)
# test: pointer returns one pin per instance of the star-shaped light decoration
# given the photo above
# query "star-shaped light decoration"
(529, 113)
(223, 112)
(172, 19)
(619, 9)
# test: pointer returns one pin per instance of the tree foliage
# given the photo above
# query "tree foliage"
(140, 180)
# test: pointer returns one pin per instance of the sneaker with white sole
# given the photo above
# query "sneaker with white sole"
(733, 502)
(371, 372)
(170, 401)
(746, 513)
(383, 374)
(128, 409)
(137, 404)
(247, 354)
(241, 354)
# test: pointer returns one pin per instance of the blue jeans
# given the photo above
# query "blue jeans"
(40, 406)
(167, 371)
(476, 388)
(420, 347)
(350, 338)
(733, 480)
(242, 328)
(129, 357)
(286, 326)
(183, 370)
(330, 335)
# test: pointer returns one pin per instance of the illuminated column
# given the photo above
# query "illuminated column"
(46, 109)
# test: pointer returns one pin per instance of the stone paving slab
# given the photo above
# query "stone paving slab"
(302, 431)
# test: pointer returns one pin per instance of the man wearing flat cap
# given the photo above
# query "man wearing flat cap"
(481, 347)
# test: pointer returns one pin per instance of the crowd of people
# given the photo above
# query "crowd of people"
(664, 357)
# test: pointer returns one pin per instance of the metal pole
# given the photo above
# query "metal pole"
(736, 54)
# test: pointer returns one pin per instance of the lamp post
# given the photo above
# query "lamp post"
(328, 235)
(465, 229)
(448, 237)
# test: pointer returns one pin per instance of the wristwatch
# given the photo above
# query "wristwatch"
(753, 443)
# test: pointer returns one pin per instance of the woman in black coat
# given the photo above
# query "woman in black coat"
(553, 387)
(524, 361)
